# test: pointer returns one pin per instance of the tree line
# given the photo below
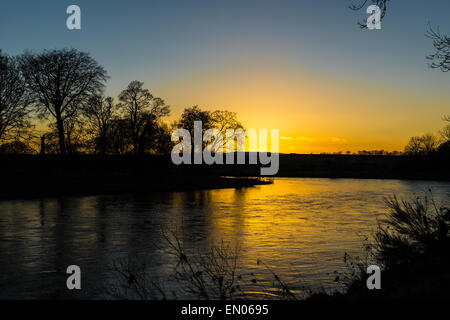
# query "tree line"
(66, 88)
(429, 143)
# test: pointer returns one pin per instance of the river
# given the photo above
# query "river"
(299, 228)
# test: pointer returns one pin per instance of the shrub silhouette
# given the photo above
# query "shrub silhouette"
(411, 245)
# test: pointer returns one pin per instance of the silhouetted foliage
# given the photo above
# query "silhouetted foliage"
(99, 113)
(441, 58)
(422, 145)
(16, 147)
(120, 138)
(74, 137)
(224, 120)
(14, 101)
(218, 119)
(59, 82)
(411, 246)
(162, 143)
(377, 153)
(142, 111)
(192, 114)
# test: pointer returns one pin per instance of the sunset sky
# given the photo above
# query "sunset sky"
(303, 67)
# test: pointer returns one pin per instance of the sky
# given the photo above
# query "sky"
(303, 67)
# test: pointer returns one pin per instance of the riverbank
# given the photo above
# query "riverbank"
(25, 176)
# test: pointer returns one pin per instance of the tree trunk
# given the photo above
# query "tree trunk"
(43, 144)
(61, 138)
(103, 143)
(135, 143)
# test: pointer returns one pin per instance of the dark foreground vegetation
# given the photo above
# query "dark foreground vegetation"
(412, 247)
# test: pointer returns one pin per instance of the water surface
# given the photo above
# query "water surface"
(299, 227)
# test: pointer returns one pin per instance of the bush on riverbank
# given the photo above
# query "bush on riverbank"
(412, 248)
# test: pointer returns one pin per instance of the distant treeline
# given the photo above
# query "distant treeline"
(367, 153)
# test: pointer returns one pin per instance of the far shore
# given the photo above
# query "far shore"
(32, 176)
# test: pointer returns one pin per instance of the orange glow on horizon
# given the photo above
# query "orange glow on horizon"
(315, 113)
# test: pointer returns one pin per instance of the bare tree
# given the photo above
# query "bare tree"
(99, 113)
(14, 102)
(445, 133)
(162, 142)
(74, 137)
(223, 120)
(430, 142)
(60, 81)
(441, 58)
(414, 146)
(192, 114)
(424, 144)
(141, 110)
(119, 138)
(219, 119)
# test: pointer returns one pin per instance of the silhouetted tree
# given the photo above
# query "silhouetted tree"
(430, 142)
(60, 81)
(74, 133)
(49, 143)
(192, 114)
(142, 112)
(445, 133)
(16, 147)
(162, 143)
(414, 146)
(219, 119)
(424, 144)
(14, 100)
(223, 120)
(99, 114)
(74, 137)
(119, 138)
(441, 58)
